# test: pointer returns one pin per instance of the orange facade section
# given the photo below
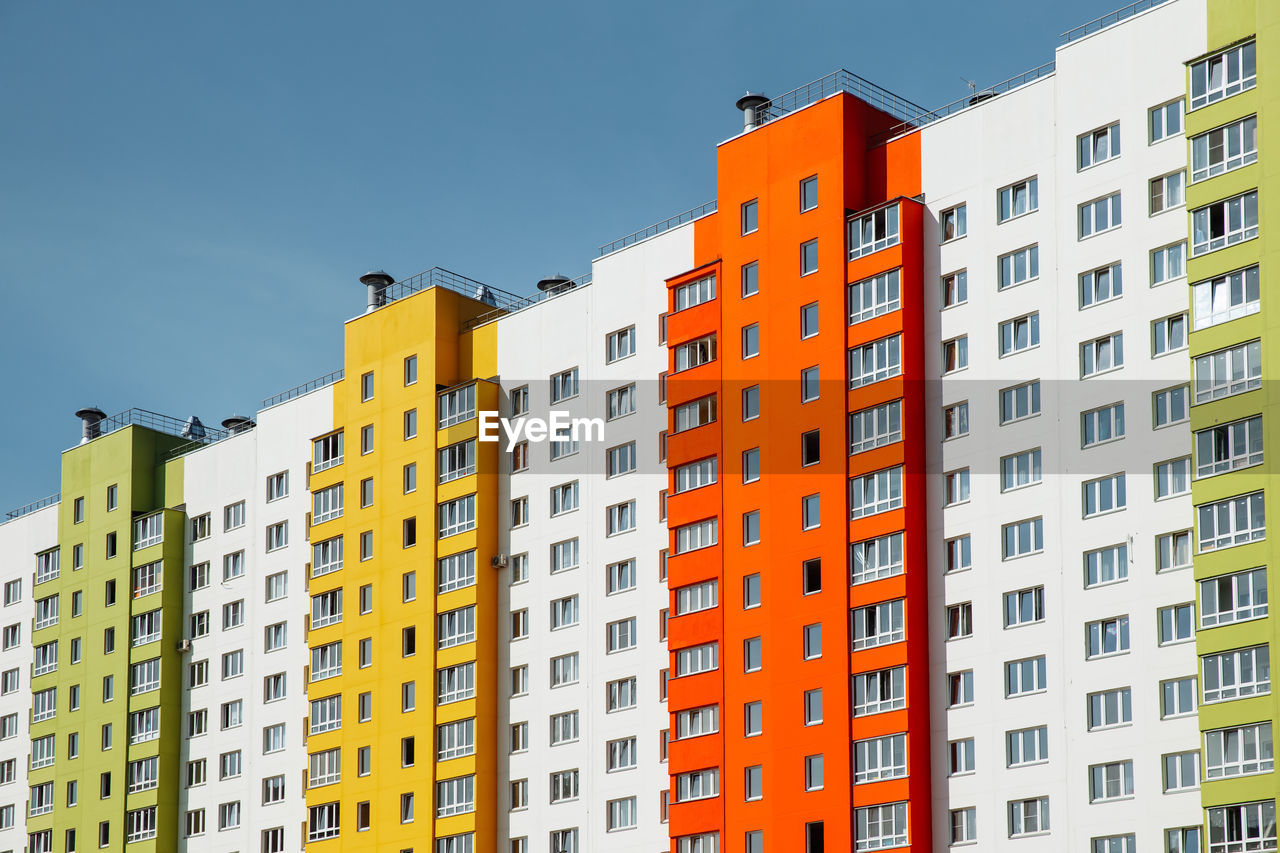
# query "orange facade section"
(782, 624)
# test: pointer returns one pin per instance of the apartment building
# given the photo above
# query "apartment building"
(912, 496)
(28, 536)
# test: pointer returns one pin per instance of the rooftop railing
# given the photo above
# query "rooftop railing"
(839, 81)
(304, 388)
(469, 287)
(33, 506)
(657, 228)
(161, 423)
(930, 116)
(1107, 20)
(568, 287)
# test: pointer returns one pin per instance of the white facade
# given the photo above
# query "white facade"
(567, 332)
(21, 539)
(1113, 76)
(247, 615)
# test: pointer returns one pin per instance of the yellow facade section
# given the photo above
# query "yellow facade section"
(401, 360)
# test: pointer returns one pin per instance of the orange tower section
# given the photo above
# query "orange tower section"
(762, 697)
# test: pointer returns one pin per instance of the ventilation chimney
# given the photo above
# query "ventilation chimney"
(90, 423)
(238, 424)
(750, 103)
(556, 284)
(377, 281)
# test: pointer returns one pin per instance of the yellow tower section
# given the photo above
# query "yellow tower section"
(402, 682)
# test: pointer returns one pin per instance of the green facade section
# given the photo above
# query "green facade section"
(1231, 23)
(99, 608)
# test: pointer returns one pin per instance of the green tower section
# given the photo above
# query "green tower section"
(1233, 200)
(107, 684)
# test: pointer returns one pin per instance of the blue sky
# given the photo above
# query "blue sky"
(188, 193)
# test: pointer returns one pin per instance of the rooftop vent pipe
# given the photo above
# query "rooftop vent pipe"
(238, 424)
(750, 103)
(91, 420)
(556, 284)
(377, 281)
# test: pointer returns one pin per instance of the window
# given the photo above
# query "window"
(456, 627)
(326, 504)
(1107, 637)
(326, 453)
(1025, 676)
(880, 758)
(1173, 478)
(808, 257)
(620, 754)
(874, 296)
(150, 530)
(1101, 285)
(879, 691)
(277, 536)
(750, 279)
(322, 822)
(1100, 215)
(564, 785)
(1236, 674)
(955, 354)
(1225, 298)
(879, 827)
(958, 554)
(1020, 469)
(955, 289)
(691, 537)
(1177, 697)
(878, 624)
(1018, 199)
(1166, 192)
(751, 341)
(1224, 223)
(750, 216)
(1181, 771)
(456, 406)
(1106, 565)
(1098, 146)
(233, 516)
(1247, 826)
(955, 421)
(1232, 598)
(808, 194)
(1234, 521)
(1228, 371)
(457, 516)
(620, 635)
(695, 413)
(1224, 149)
(964, 826)
(1169, 334)
(1228, 73)
(1020, 334)
(564, 728)
(1024, 607)
(695, 293)
(621, 459)
(1168, 263)
(1022, 537)
(877, 558)
(696, 597)
(808, 320)
(456, 683)
(564, 556)
(1110, 781)
(752, 655)
(959, 621)
(454, 796)
(1240, 751)
(620, 344)
(695, 659)
(953, 223)
(1102, 425)
(1028, 817)
(1101, 355)
(877, 492)
(751, 465)
(620, 694)
(873, 232)
(1020, 401)
(1027, 746)
(455, 461)
(1164, 121)
(750, 403)
(1018, 267)
(956, 487)
(564, 669)
(960, 688)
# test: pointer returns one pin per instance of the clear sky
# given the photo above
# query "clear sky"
(189, 192)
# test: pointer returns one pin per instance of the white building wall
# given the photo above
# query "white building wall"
(236, 469)
(1114, 75)
(20, 540)
(565, 332)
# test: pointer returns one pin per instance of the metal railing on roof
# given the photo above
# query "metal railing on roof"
(33, 506)
(930, 116)
(440, 277)
(568, 287)
(838, 81)
(161, 423)
(657, 228)
(1107, 20)
(304, 388)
